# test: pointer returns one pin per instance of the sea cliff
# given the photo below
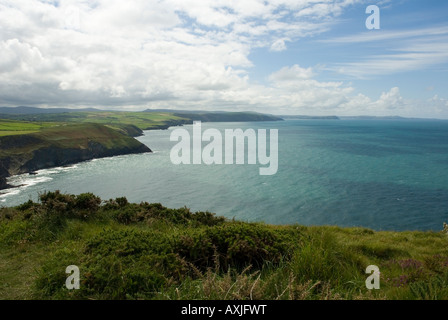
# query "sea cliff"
(62, 145)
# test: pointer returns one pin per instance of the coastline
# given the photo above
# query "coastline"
(41, 158)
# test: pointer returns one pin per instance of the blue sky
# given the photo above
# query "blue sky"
(313, 57)
(406, 19)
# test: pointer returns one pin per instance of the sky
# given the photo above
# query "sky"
(285, 57)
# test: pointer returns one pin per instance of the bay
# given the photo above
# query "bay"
(379, 174)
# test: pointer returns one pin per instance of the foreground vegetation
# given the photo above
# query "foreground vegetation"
(147, 251)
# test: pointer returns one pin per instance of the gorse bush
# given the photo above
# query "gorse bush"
(80, 206)
(127, 213)
(236, 245)
(130, 263)
(135, 263)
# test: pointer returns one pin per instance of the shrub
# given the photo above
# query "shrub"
(133, 213)
(81, 206)
(130, 264)
(236, 245)
(88, 202)
(116, 203)
(26, 205)
(57, 202)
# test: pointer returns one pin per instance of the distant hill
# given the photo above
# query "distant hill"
(397, 118)
(302, 117)
(34, 110)
(374, 118)
(46, 114)
(219, 116)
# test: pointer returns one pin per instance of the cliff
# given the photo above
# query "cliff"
(62, 145)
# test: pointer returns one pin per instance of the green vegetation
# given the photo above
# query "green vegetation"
(121, 120)
(130, 123)
(116, 120)
(147, 251)
(142, 120)
(13, 127)
(64, 137)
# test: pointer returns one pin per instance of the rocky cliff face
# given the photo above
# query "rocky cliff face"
(3, 174)
(3, 184)
(27, 153)
(56, 157)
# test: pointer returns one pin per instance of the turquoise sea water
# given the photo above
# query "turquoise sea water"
(384, 175)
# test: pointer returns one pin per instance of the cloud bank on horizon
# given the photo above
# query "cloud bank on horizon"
(312, 57)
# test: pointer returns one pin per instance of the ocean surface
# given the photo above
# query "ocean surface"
(379, 174)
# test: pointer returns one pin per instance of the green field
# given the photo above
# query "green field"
(13, 127)
(142, 120)
(147, 251)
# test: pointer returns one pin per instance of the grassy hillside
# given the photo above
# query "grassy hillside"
(61, 145)
(64, 136)
(147, 251)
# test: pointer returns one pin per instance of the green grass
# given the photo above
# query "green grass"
(13, 127)
(147, 251)
(142, 120)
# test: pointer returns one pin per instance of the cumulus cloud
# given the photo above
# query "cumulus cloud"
(293, 73)
(167, 54)
(140, 53)
(279, 45)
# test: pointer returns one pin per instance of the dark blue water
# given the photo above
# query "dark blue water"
(384, 175)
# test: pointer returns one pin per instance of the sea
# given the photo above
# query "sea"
(377, 174)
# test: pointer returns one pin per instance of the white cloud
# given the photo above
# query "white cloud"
(173, 54)
(407, 50)
(140, 52)
(391, 99)
(279, 45)
(292, 74)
